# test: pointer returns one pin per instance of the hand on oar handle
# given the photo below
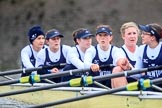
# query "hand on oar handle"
(95, 67)
(124, 64)
(54, 70)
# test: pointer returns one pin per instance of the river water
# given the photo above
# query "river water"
(10, 103)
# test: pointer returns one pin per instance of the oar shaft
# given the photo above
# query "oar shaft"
(157, 88)
(79, 98)
(55, 75)
(42, 88)
(71, 72)
(101, 85)
(34, 89)
(119, 74)
(9, 82)
(97, 78)
(7, 77)
(17, 71)
(63, 73)
(157, 81)
(10, 72)
(86, 96)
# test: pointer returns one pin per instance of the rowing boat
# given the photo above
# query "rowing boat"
(69, 97)
(125, 99)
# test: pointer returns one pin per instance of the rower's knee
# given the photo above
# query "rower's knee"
(117, 69)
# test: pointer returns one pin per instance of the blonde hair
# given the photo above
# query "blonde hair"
(127, 25)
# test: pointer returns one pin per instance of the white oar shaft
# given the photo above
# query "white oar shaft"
(101, 85)
(157, 88)
(7, 77)
(49, 81)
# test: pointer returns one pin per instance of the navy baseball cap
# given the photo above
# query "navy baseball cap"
(104, 30)
(83, 34)
(53, 33)
(149, 29)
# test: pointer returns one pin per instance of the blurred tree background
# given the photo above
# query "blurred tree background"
(17, 16)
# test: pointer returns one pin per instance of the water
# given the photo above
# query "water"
(9, 103)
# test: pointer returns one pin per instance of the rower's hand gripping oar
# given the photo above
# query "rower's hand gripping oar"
(33, 78)
(17, 71)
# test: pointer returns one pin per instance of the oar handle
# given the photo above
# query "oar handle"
(155, 68)
(60, 65)
(107, 66)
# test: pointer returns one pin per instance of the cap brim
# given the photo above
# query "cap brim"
(61, 36)
(88, 35)
(103, 32)
(143, 28)
(56, 36)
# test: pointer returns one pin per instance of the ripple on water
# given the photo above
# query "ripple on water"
(10, 103)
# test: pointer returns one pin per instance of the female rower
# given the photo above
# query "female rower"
(104, 53)
(150, 54)
(129, 32)
(28, 54)
(83, 40)
(55, 53)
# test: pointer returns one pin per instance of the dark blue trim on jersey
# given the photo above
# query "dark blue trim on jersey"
(131, 61)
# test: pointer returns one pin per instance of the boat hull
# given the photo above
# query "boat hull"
(105, 101)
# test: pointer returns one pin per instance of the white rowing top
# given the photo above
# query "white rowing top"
(54, 57)
(26, 53)
(132, 56)
(152, 54)
(73, 57)
(103, 55)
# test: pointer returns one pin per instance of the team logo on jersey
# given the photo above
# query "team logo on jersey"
(96, 61)
(31, 60)
(145, 60)
(152, 65)
(48, 63)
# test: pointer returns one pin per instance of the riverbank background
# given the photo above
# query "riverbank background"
(17, 16)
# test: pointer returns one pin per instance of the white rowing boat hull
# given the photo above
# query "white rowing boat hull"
(118, 100)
